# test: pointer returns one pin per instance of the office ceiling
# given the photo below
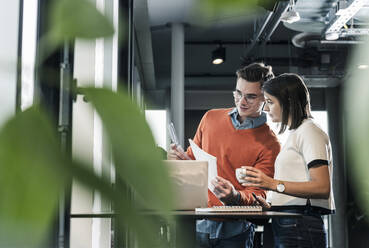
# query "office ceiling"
(249, 36)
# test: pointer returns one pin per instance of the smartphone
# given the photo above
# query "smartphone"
(172, 133)
(173, 137)
(264, 204)
(253, 194)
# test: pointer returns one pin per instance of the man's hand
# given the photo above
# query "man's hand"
(225, 191)
(176, 153)
(263, 203)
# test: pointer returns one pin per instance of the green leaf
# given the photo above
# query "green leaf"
(136, 157)
(31, 178)
(220, 11)
(33, 173)
(128, 216)
(78, 18)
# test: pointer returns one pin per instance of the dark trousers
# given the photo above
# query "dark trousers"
(305, 232)
(243, 240)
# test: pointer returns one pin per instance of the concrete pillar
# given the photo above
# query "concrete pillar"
(338, 222)
(177, 80)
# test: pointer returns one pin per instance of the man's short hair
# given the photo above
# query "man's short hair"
(255, 72)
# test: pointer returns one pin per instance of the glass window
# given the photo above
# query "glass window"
(29, 35)
(320, 117)
(157, 120)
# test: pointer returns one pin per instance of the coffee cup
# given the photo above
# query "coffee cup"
(240, 174)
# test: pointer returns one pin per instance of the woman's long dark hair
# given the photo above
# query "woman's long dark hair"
(293, 96)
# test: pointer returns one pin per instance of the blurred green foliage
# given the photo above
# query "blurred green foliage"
(208, 11)
(136, 157)
(34, 172)
(78, 18)
(70, 19)
(137, 161)
(357, 125)
(31, 177)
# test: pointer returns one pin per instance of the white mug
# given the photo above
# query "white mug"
(240, 174)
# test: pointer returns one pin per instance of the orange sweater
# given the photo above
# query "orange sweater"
(257, 147)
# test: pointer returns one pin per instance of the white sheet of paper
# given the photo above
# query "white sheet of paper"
(204, 156)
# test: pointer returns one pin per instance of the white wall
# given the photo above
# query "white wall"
(9, 21)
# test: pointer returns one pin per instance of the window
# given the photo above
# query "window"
(157, 120)
(29, 32)
(320, 117)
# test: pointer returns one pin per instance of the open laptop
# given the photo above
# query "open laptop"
(190, 183)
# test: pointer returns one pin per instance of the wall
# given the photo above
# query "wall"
(9, 21)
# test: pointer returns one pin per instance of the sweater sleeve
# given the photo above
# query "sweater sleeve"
(265, 163)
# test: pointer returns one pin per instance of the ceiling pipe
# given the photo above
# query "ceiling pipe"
(268, 27)
(230, 43)
(305, 40)
(281, 8)
(342, 42)
(258, 34)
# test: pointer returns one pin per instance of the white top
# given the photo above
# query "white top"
(306, 146)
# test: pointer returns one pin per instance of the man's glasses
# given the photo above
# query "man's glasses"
(250, 98)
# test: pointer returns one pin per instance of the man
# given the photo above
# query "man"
(237, 137)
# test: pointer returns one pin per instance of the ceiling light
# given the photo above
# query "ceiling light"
(363, 67)
(290, 15)
(332, 36)
(218, 55)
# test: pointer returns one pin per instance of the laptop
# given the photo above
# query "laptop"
(190, 183)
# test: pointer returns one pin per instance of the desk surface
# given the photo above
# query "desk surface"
(200, 215)
(233, 215)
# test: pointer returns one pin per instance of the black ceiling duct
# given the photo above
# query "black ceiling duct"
(305, 40)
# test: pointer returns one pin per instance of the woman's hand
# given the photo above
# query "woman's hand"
(257, 178)
(318, 187)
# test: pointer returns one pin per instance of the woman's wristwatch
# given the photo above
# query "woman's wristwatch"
(280, 187)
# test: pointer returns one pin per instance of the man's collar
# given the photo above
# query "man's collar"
(250, 122)
(234, 110)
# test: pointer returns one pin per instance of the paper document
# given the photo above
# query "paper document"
(204, 156)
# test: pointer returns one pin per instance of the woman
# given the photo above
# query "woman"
(302, 179)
